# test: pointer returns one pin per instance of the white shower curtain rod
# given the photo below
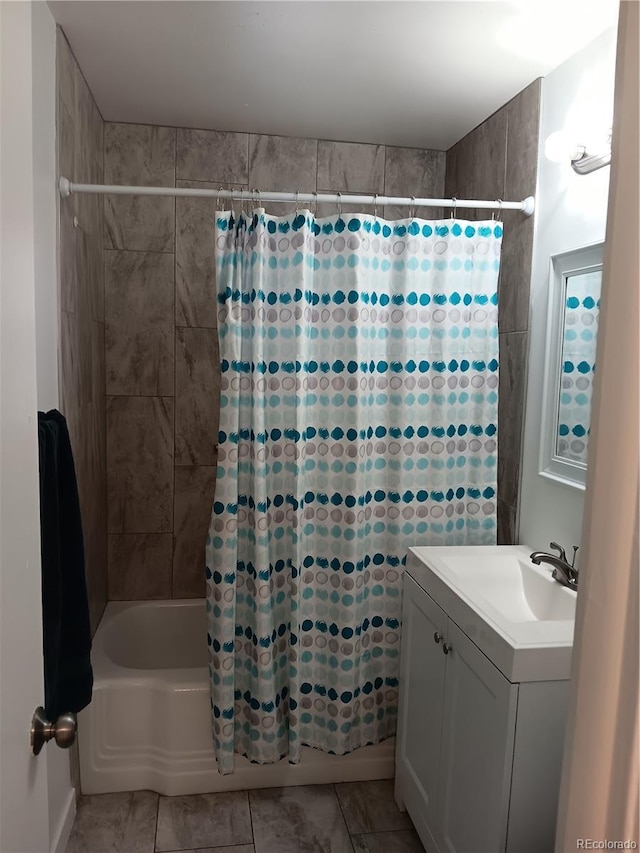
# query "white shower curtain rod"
(67, 188)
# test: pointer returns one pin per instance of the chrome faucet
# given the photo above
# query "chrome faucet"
(564, 572)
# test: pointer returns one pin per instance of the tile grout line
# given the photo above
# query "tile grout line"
(138, 251)
(346, 825)
(253, 835)
(248, 160)
(155, 835)
(175, 371)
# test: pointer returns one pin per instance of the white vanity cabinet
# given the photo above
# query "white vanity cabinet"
(478, 757)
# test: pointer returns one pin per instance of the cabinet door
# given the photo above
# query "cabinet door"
(421, 702)
(477, 751)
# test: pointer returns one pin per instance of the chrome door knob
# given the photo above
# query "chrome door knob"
(438, 637)
(446, 648)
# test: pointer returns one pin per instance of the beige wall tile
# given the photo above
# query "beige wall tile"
(98, 374)
(66, 71)
(82, 371)
(140, 464)
(350, 167)
(196, 300)
(194, 489)
(87, 170)
(68, 270)
(498, 160)
(413, 172)
(480, 164)
(212, 155)
(69, 345)
(140, 566)
(283, 164)
(523, 116)
(89, 120)
(66, 146)
(142, 155)
(89, 269)
(511, 399)
(197, 396)
(139, 312)
(507, 533)
(91, 471)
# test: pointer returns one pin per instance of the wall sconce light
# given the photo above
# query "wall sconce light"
(559, 148)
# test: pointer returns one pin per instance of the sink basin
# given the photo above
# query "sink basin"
(519, 590)
(513, 610)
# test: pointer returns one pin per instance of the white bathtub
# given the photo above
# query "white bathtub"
(148, 726)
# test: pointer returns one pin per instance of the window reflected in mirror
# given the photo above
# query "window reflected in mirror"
(581, 311)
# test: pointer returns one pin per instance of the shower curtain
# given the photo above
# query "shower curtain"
(358, 417)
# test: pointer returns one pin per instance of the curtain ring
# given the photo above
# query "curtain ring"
(315, 203)
(412, 208)
(297, 200)
(339, 205)
(375, 206)
(500, 210)
(218, 208)
(454, 208)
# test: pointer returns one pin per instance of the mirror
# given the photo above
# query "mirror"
(572, 325)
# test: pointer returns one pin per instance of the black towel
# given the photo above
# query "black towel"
(68, 677)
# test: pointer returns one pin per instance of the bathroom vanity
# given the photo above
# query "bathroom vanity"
(486, 653)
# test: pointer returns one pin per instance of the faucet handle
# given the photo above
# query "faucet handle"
(576, 548)
(561, 552)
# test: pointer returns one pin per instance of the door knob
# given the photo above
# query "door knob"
(42, 730)
(438, 637)
(446, 648)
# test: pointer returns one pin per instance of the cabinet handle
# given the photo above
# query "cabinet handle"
(446, 648)
(438, 637)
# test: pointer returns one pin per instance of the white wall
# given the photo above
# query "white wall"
(45, 209)
(45, 804)
(571, 212)
(61, 793)
(24, 815)
(599, 788)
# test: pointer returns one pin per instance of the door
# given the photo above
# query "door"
(24, 822)
(421, 702)
(477, 750)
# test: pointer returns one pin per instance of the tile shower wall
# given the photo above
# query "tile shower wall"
(161, 343)
(499, 160)
(81, 300)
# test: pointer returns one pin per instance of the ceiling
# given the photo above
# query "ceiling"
(419, 74)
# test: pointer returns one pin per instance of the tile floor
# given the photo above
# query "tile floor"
(353, 817)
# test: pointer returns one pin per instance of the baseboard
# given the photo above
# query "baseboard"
(61, 837)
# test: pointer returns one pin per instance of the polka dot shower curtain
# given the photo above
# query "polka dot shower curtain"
(358, 416)
(581, 312)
